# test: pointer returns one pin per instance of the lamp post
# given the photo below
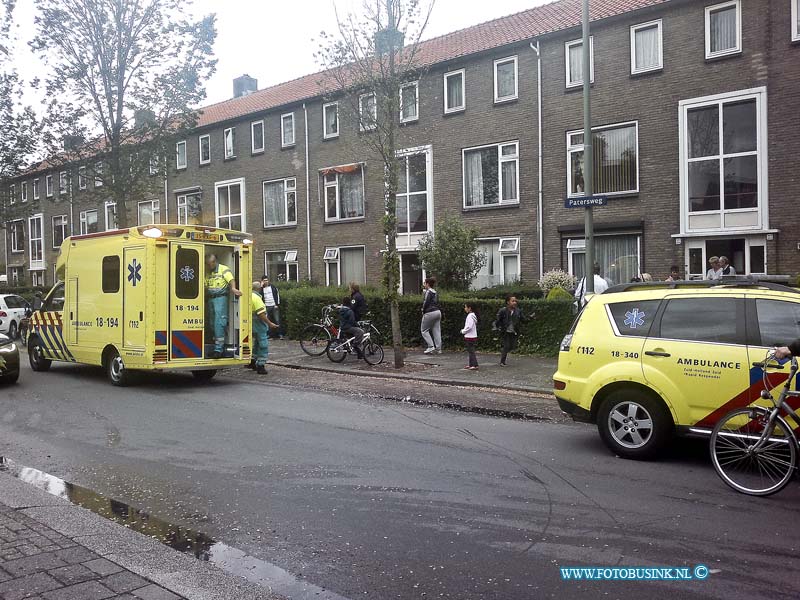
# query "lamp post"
(588, 155)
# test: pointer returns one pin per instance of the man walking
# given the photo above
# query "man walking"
(261, 326)
(507, 323)
(272, 300)
(219, 283)
(600, 286)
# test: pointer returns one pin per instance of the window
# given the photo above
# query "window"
(454, 96)
(367, 112)
(412, 194)
(204, 148)
(796, 20)
(280, 202)
(409, 102)
(149, 212)
(716, 320)
(617, 255)
(723, 161)
(98, 175)
(344, 192)
(36, 242)
(501, 265)
(111, 274)
(256, 137)
(573, 60)
(88, 222)
(48, 184)
(633, 319)
(723, 29)
(330, 120)
(81, 178)
(180, 155)
(778, 322)
(37, 279)
(616, 160)
(187, 260)
(646, 47)
(228, 142)
(344, 265)
(24, 187)
(62, 182)
(190, 209)
(55, 299)
(281, 266)
(153, 163)
(17, 236)
(491, 175)
(60, 231)
(230, 204)
(505, 79)
(35, 186)
(111, 215)
(12, 194)
(287, 130)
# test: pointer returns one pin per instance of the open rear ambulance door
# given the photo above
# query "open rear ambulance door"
(187, 302)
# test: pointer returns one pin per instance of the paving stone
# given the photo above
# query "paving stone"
(154, 592)
(124, 581)
(29, 550)
(25, 587)
(4, 576)
(73, 574)
(76, 554)
(33, 564)
(90, 590)
(12, 555)
(103, 567)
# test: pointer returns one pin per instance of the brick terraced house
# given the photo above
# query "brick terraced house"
(696, 131)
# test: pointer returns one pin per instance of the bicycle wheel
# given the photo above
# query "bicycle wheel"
(375, 334)
(757, 472)
(314, 340)
(336, 351)
(373, 352)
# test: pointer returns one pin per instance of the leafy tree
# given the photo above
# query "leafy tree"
(452, 254)
(368, 59)
(123, 78)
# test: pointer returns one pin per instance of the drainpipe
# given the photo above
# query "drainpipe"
(166, 201)
(539, 224)
(308, 194)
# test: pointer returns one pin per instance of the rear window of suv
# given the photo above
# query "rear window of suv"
(633, 319)
(716, 320)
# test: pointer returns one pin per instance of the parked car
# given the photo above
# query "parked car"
(9, 360)
(12, 310)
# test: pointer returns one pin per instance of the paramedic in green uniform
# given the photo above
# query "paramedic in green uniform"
(261, 327)
(219, 283)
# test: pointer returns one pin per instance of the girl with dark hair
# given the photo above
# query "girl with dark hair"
(431, 327)
(470, 333)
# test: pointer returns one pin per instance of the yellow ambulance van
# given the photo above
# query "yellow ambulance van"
(136, 300)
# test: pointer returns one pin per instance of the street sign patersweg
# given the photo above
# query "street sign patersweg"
(585, 201)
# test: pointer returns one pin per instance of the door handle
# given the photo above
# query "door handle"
(71, 317)
(141, 315)
(657, 353)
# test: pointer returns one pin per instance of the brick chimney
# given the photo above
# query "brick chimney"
(244, 85)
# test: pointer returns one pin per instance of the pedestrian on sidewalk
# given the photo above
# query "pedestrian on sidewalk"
(261, 326)
(272, 300)
(470, 333)
(508, 322)
(431, 327)
(358, 304)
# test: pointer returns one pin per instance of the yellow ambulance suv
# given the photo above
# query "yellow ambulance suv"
(135, 300)
(650, 360)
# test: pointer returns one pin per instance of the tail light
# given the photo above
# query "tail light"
(565, 343)
(3, 313)
(559, 385)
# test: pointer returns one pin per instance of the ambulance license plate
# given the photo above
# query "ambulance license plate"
(203, 237)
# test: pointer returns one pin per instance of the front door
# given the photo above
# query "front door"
(410, 274)
(187, 307)
(134, 299)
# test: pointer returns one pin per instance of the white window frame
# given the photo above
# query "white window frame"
(514, 249)
(84, 224)
(98, 171)
(155, 210)
(242, 204)
(578, 246)
(498, 99)
(649, 25)
(113, 206)
(324, 188)
(406, 240)
(182, 202)
(178, 164)
(329, 135)
(500, 160)
(415, 85)
(284, 143)
(63, 225)
(81, 178)
(291, 256)
(200, 139)
(17, 245)
(229, 152)
(153, 164)
(332, 255)
(24, 191)
(795, 20)
(37, 277)
(12, 194)
(253, 149)
(63, 184)
(48, 186)
(463, 106)
(362, 124)
(289, 259)
(505, 253)
(286, 191)
(36, 264)
(567, 46)
(580, 148)
(35, 190)
(715, 8)
(760, 95)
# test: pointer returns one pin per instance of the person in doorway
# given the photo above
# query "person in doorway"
(272, 300)
(358, 304)
(219, 284)
(725, 266)
(715, 272)
(261, 326)
(348, 326)
(600, 286)
(509, 319)
(674, 275)
(431, 326)
(470, 333)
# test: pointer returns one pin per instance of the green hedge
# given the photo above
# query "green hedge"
(24, 291)
(540, 334)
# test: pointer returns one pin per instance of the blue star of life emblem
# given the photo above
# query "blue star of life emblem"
(187, 273)
(135, 272)
(634, 318)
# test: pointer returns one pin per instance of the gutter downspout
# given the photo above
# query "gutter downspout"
(308, 194)
(166, 201)
(539, 220)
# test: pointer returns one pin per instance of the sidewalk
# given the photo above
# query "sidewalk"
(523, 373)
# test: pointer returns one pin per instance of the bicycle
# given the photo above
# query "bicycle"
(371, 350)
(368, 327)
(315, 338)
(754, 450)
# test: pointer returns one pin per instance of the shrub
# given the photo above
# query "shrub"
(559, 293)
(519, 290)
(452, 255)
(556, 278)
(24, 291)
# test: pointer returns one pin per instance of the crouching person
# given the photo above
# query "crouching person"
(261, 327)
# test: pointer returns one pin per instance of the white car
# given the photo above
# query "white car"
(12, 311)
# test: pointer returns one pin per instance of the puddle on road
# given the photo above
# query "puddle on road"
(183, 539)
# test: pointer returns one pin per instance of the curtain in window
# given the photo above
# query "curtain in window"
(615, 160)
(505, 80)
(473, 172)
(351, 261)
(288, 131)
(723, 29)
(409, 102)
(510, 180)
(351, 195)
(489, 275)
(274, 207)
(510, 268)
(576, 63)
(454, 91)
(618, 257)
(331, 126)
(647, 44)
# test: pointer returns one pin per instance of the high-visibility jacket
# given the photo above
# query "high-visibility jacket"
(218, 280)
(258, 305)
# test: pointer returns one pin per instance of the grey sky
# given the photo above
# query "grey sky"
(272, 40)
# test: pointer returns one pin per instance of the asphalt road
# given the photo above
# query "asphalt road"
(376, 499)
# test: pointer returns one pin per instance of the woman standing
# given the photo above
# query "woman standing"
(431, 318)
(470, 333)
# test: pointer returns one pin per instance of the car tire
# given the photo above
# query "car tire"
(634, 424)
(204, 374)
(118, 375)
(36, 356)
(10, 377)
(12, 330)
